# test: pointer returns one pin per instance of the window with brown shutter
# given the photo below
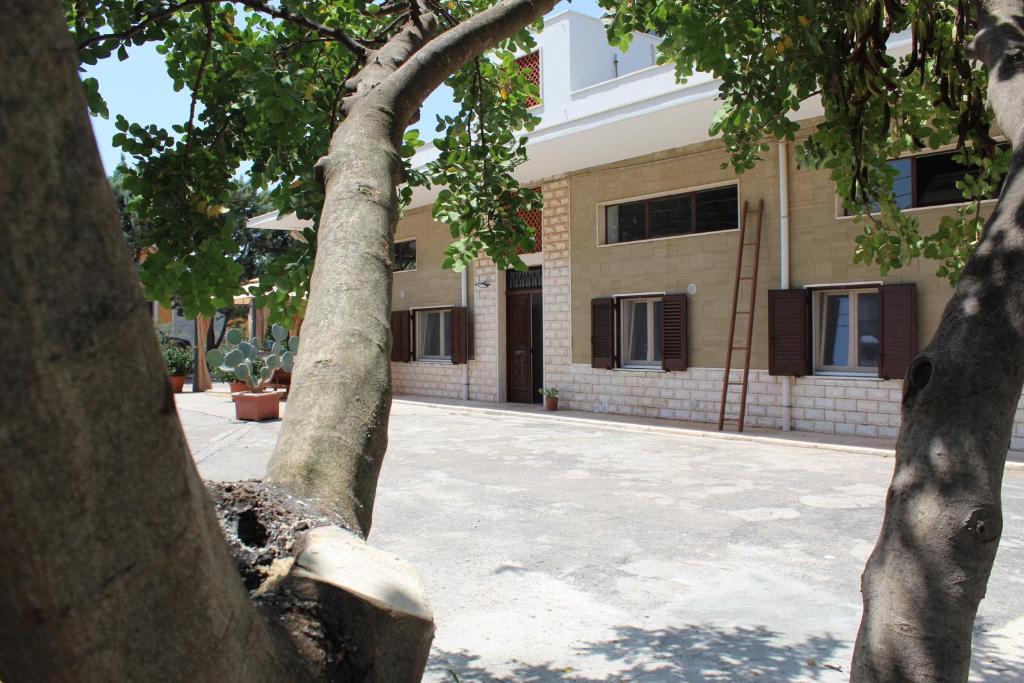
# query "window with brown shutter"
(400, 336)
(602, 333)
(899, 330)
(673, 333)
(459, 334)
(789, 332)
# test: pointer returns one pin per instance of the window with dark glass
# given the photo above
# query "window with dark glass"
(680, 214)
(929, 180)
(405, 255)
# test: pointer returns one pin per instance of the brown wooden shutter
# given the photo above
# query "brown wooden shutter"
(459, 335)
(400, 336)
(602, 333)
(673, 332)
(898, 344)
(789, 332)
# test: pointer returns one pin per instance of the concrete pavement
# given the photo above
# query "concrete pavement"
(558, 550)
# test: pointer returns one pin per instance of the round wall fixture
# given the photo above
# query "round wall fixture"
(691, 289)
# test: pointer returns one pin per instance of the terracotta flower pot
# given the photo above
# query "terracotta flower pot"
(551, 403)
(177, 383)
(237, 387)
(257, 406)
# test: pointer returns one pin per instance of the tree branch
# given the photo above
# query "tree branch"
(285, 14)
(197, 83)
(446, 54)
(144, 24)
(282, 13)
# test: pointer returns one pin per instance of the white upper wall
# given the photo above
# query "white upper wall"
(591, 59)
(600, 104)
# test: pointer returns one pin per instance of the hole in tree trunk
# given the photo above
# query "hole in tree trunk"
(920, 374)
(251, 531)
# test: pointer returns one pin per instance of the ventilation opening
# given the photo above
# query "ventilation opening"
(251, 531)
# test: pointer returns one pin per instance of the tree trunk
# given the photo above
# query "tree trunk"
(333, 441)
(114, 566)
(943, 517)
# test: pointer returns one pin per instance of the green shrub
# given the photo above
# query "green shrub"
(179, 361)
(219, 375)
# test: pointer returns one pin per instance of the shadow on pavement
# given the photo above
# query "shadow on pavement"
(694, 653)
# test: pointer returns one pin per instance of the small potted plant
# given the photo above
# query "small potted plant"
(244, 360)
(179, 362)
(550, 395)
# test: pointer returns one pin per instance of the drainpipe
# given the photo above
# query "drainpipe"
(465, 303)
(787, 410)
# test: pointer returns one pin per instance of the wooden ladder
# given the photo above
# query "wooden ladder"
(730, 348)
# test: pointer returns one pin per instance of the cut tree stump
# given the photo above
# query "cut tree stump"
(354, 613)
(375, 623)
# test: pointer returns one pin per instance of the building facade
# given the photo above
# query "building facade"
(627, 304)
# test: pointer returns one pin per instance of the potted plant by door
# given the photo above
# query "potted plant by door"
(244, 360)
(550, 395)
(179, 363)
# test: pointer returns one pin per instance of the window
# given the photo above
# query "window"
(433, 329)
(847, 330)
(405, 256)
(680, 214)
(928, 180)
(640, 332)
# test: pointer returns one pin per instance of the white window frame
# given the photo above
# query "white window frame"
(818, 300)
(629, 364)
(442, 333)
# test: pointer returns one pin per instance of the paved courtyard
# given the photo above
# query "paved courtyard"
(555, 549)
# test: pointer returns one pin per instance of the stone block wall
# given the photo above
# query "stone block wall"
(557, 280)
(829, 405)
(427, 378)
(484, 328)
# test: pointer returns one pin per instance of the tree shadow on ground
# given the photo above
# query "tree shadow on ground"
(691, 653)
(995, 656)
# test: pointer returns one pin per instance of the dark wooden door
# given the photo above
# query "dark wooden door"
(520, 348)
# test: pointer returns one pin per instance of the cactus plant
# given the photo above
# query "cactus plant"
(250, 365)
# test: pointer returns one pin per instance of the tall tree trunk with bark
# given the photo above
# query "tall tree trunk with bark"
(943, 517)
(114, 566)
(333, 441)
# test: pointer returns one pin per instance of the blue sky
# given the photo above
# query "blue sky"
(140, 89)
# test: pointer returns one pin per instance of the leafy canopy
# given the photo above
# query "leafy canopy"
(267, 80)
(772, 55)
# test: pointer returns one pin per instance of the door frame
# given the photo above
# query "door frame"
(535, 381)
